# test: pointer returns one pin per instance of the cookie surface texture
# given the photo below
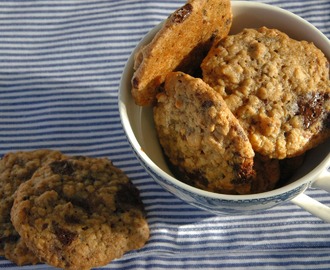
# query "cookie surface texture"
(15, 169)
(80, 213)
(277, 87)
(180, 44)
(202, 138)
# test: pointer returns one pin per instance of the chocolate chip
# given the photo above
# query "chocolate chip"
(127, 198)
(72, 219)
(244, 174)
(207, 104)
(62, 167)
(135, 82)
(81, 203)
(195, 178)
(181, 14)
(66, 237)
(311, 108)
(228, 21)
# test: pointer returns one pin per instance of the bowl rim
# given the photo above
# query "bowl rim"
(125, 94)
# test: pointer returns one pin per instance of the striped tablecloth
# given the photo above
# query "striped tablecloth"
(60, 67)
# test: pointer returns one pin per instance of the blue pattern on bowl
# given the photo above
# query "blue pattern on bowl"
(221, 206)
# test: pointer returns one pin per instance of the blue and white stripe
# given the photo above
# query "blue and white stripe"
(60, 67)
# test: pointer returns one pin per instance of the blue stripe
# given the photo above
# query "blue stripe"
(99, 86)
(10, 34)
(34, 19)
(224, 257)
(120, 38)
(123, 6)
(43, 65)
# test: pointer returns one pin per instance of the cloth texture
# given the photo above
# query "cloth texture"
(60, 69)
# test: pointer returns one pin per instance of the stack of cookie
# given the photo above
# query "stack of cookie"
(69, 212)
(242, 120)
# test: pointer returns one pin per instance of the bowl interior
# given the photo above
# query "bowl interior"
(138, 121)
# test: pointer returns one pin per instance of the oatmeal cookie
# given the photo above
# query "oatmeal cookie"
(15, 169)
(181, 44)
(277, 87)
(201, 137)
(79, 213)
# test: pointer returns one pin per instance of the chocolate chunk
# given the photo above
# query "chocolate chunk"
(135, 82)
(207, 104)
(66, 237)
(62, 167)
(182, 13)
(81, 203)
(72, 219)
(244, 174)
(311, 109)
(127, 198)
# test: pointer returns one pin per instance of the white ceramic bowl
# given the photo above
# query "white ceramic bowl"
(139, 128)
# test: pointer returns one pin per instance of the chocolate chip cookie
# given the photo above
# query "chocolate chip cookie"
(181, 44)
(277, 87)
(201, 137)
(79, 213)
(15, 169)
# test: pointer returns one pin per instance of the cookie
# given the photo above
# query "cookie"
(277, 87)
(19, 253)
(15, 169)
(79, 213)
(181, 44)
(201, 137)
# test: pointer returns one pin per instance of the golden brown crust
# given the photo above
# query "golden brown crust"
(15, 169)
(202, 138)
(277, 87)
(79, 213)
(19, 253)
(180, 44)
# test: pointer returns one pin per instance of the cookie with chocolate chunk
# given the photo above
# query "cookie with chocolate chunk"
(201, 137)
(15, 169)
(277, 87)
(181, 44)
(80, 213)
